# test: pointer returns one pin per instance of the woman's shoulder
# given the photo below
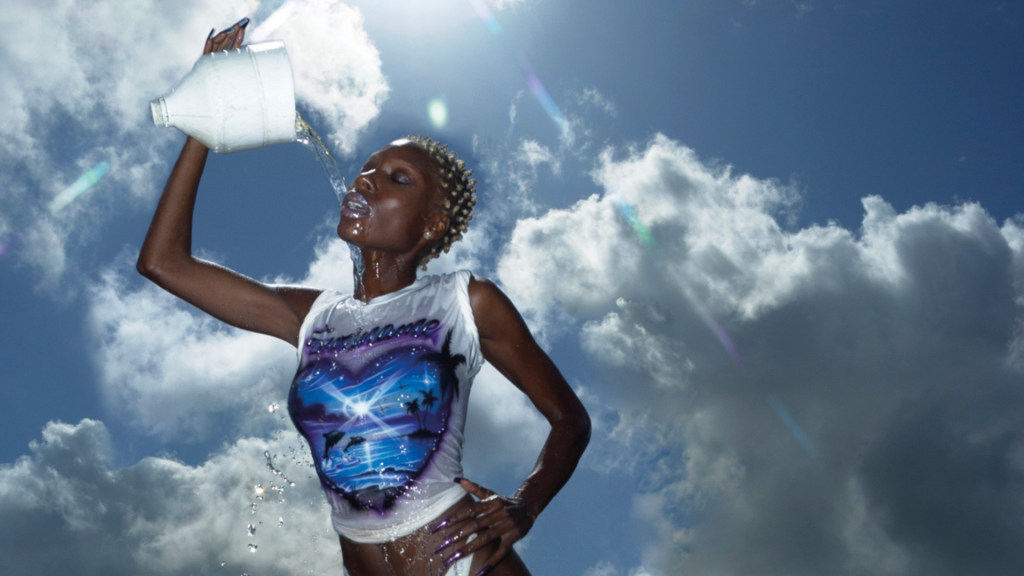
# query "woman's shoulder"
(463, 277)
(301, 299)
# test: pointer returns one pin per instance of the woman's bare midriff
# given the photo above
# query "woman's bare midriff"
(413, 555)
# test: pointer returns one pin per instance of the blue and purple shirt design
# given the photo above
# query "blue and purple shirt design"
(374, 406)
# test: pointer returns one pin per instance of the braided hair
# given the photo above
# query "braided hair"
(457, 194)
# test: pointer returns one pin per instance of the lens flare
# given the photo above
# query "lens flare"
(532, 80)
(639, 229)
(9, 242)
(801, 438)
(79, 187)
(647, 239)
(438, 112)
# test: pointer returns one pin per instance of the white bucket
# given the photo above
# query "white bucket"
(234, 100)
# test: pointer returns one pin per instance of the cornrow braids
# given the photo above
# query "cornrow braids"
(457, 194)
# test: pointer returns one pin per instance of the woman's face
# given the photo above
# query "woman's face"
(388, 206)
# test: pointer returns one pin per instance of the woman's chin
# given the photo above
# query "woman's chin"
(350, 235)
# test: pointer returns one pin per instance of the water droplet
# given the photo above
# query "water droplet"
(272, 408)
(223, 563)
(259, 490)
(251, 530)
(280, 521)
(253, 547)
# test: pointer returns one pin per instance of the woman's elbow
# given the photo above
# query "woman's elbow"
(148, 267)
(581, 427)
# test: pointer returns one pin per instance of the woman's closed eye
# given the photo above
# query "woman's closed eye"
(401, 177)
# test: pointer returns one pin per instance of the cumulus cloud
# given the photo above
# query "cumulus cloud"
(337, 68)
(895, 347)
(82, 97)
(174, 371)
(160, 516)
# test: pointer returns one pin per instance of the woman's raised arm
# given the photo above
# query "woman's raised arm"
(166, 255)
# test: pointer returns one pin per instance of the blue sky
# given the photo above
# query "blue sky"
(835, 184)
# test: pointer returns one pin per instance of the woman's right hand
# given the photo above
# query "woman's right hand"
(226, 39)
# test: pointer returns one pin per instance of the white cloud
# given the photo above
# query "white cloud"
(623, 340)
(503, 429)
(84, 98)
(336, 66)
(593, 97)
(160, 516)
(173, 371)
(886, 343)
(602, 568)
(534, 153)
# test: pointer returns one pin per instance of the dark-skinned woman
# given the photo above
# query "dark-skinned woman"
(384, 374)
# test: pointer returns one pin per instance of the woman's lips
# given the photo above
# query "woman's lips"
(353, 205)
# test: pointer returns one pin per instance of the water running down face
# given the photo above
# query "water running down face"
(423, 193)
(391, 206)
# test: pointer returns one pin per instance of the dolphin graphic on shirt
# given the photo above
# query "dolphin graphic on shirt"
(331, 440)
(354, 441)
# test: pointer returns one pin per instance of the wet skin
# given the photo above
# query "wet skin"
(392, 215)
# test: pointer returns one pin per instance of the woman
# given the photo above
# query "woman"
(384, 374)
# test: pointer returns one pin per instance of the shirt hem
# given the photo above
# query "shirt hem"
(404, 529)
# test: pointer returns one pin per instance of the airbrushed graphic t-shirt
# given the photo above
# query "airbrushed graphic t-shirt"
(380, 395)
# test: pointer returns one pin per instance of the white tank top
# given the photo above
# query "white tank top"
(380, 394)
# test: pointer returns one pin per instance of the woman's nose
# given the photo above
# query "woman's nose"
(364, 182)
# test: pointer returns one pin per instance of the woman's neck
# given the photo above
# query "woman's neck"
(378, 273)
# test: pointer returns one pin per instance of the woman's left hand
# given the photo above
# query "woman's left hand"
(494, 517)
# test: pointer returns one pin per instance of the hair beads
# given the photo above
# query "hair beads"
(458, 194)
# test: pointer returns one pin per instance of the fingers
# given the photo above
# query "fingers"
(498, 556)
(238, 38)
(476, 509)
(227, 39)
(236, 26)
(494, 520)
(483, 539)
(476, 489)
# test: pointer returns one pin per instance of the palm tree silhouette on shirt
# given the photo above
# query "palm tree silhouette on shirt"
(414, 409)
(447, 363)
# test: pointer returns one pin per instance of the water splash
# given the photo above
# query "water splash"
(356, 254)
(307, 136)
